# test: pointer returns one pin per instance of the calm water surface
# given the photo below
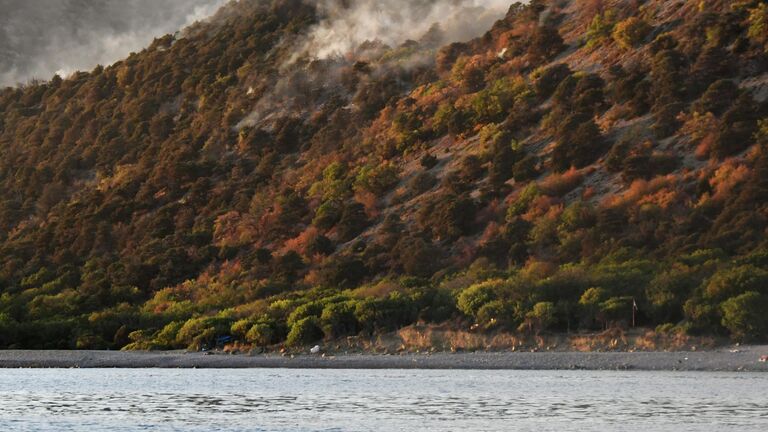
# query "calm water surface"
(381, 400)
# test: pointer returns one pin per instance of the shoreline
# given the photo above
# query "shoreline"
(746, 359)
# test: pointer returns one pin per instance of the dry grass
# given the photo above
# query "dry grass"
(557, 185)
(426, 338)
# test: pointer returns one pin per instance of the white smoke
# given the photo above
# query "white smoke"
(39, 38)
(346, 24)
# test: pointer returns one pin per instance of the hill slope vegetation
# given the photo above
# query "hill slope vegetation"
(580, 158)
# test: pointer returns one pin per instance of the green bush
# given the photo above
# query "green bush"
(338, 319)
(580, 143)
(311, 309)
(600, 28)
(735, 281)
(260, 334)
(304, 332)
(631, 32)
(474, 297)
(377, 179)
(327, 215)
(745, 316)
(496, 313)
(540, 318)
(547, 80)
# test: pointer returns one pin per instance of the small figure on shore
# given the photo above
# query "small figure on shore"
(315, 349)
(764, 359)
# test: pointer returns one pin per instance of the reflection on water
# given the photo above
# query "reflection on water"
(327, 400)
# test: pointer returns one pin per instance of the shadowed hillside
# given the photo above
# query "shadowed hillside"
(578, 158)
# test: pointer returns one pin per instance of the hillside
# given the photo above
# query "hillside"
(579, 157)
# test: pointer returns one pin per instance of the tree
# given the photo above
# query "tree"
(304, 332)
(338, 319)
(731, 282)
(590, 306)
(541, 317)
(579, 143)
(745, 316)
(474, 297)
(8, 330)
(260, 334)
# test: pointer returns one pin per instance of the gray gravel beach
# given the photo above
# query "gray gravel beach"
(727, 359)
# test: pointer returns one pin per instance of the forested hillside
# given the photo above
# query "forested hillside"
(580, 157)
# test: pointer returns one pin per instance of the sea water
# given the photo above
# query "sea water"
(380, 400)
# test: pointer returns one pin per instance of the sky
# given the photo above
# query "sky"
(39, 38)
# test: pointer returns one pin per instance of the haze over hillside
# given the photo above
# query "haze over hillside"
(39, 38)
(294, 170)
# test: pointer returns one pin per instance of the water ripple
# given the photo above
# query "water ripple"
(341, 401)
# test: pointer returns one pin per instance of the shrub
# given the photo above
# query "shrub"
(668, 291)
(737, 128)
(421, 183)
(416, 256)
(448, 119)
(304, 332)
(327, 215)
(428, 161)
(338, 319)
(546, 43)
(378, 179)
(453, 216)
(600, 28)
(589, 302)
(8, 330)
(745, 316)
(758, 25)
(343, 272)
(524, 199)
(505, 152)
(474, 297)
(580, 143)
(260, 334)
(541, 317)
(353, 221)
(617, 309)
(666, 119)
(311, 309)
(717, 98)
(201, 332)
(526, 169)
(496, 313)
(390, 313)
(631, 32)
(547, 80)
(735, 281)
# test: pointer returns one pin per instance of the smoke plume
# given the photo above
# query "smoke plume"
(346, 24)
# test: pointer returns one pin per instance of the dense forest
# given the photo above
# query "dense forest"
(580, 159)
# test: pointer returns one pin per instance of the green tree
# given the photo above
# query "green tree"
(541, 317)
(472, 298)
(305, 331)
(734, 281)
(745, 316)
(338, 319)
